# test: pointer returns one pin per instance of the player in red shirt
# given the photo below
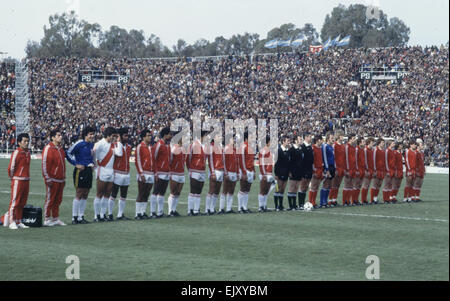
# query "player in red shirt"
(177, 178)
(121, 176)
(360, 170)
(389, 161)
(145, 174)
(247, 173)
(420, 171)
(350, 170)
(231, 174)
(368, 169)
(54, 173)
(339, 157)
(398, 171)
(266, 177)
(196, 164)
(317, 175)
(214, 153)
(410, 164)
(379, 169)
(161, 155)
(19, 173)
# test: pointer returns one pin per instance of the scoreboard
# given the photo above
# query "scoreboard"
(97, 77)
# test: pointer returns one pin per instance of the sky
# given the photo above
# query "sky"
(190, 20)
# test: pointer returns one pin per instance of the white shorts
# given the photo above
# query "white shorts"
(149, 179)
(219, 175)
(164, 176)
(269, 178)
(121, 179)
(104, 174)
(201, 177)
(250, 176)
(232, 176)
(178, 178)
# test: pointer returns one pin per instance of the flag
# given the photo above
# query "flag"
(327, 44)
(335, 41)
(299, 40)
(344, 41)
(285, 43)
(271, 44)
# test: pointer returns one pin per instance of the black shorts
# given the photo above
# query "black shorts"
(83, 178)
(296, 174)
(282, 174)
(307, 174)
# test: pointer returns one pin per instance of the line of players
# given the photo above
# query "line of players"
(307, 163)
(361, 164)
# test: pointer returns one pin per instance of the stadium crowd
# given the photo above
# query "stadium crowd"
(7, 92)
(305, 92)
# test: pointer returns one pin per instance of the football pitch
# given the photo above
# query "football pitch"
(410, 240)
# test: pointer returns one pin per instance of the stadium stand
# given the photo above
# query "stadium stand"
(305, 92)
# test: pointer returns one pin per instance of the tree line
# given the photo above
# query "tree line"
(67, 36)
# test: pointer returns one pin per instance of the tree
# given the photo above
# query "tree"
(66, 36)
(364, 31)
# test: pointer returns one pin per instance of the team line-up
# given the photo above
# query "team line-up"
(304, 162)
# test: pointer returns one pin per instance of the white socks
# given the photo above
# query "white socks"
(261, 200)
(197, 201)
(242, 200)
(75, 207)
(97, 206)
(229, 202)
(222, 202)
(160, 200)
(214, 198)
(121, 207)
(82, 207)
(191, 201)
(153, 201)
(111, 202)
(104, 207)
(208, 202)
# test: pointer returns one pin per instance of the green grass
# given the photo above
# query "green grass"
(411, 241)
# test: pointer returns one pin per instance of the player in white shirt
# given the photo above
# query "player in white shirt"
(104, 171)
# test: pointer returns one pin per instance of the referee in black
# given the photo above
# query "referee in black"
(307, 168)
(295, 170)
(282, 172)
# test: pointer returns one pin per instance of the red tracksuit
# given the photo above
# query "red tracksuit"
(360, 162)
(177, 159)
(420, 164)
(350, 160)
(339, 159)
(368, 161)
(144, 160)
(19, 173)
(398, 164)
(265, 162)
(410, 162)
(389, 159)
(379, 163)
(215, 158)
(246, 160)
(318, 162)
(195, 160)
(161, 155)
(230, 159)
(54, 173)
(122, 164)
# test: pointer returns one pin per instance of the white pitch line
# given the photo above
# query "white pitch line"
(315, 211)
